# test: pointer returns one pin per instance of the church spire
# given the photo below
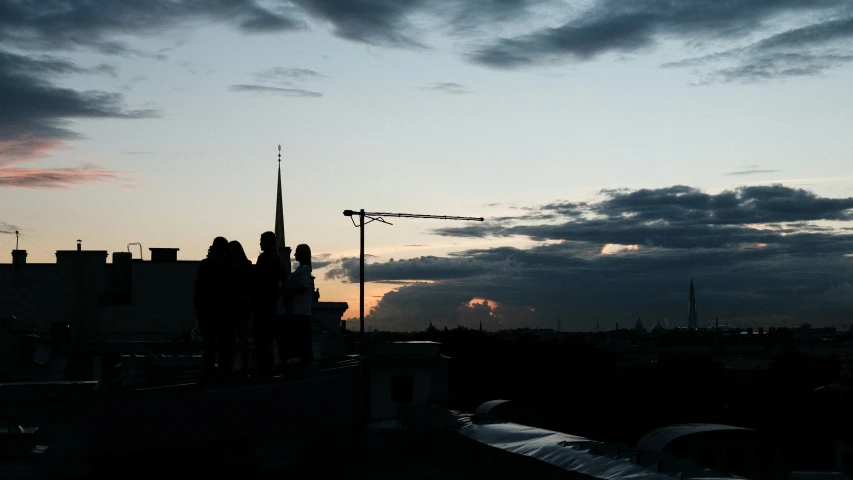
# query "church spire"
(283, 249)
(279, 211)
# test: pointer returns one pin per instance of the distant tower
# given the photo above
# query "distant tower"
(283, 250)
(691, 310)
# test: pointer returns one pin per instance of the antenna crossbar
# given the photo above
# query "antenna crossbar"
(413, 215)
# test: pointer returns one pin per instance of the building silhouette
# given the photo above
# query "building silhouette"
(691, 309)
(141, 300)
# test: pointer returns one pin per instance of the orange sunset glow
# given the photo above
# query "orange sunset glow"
(479, 301)
(611, 248)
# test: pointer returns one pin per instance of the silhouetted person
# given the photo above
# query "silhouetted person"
(300, 287)
(240, 311)
(268, 305)
(211, 293)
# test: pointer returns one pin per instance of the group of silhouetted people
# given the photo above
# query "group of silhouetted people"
(235, 299)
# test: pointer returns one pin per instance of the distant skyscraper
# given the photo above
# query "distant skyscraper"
(691, 310)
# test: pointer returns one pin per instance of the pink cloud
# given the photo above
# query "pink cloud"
(54, 177)
(22, 150)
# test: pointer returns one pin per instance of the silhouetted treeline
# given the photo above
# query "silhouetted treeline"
(569, 384)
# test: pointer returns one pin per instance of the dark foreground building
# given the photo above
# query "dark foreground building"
(382, 414)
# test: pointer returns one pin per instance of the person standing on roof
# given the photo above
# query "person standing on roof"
(240, 312)
(268, 306)
(211, 302)
(300, 287)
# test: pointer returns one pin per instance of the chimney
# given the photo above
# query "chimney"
(164, 255)
(79, 245)
(19, 258)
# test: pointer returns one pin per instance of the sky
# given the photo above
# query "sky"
(617, 149)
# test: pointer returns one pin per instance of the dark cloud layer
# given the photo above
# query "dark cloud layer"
(36, 113)
(63, 24)
(629, 26)
(379, 22)
(755, 253)
(676, 217)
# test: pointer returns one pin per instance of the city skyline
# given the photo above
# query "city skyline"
(616, 149)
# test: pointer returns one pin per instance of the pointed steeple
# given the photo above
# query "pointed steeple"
(691, 309)
(279, 210)
(283, 249)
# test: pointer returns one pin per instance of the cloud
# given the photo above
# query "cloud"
(771, 67)
(61, 25)
(287, 92)
(629, 27)
(404, 23)
(751, 171)
(422, 268)
(377, 22)
(54, 177)
(676, 216)
(321, 260)
(36, 113)
(800, 51)
(288, 75)
(8, 228)
(446, 87)
(753, 251)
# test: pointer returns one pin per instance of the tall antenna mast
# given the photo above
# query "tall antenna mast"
(377, 217)
(17, 235)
